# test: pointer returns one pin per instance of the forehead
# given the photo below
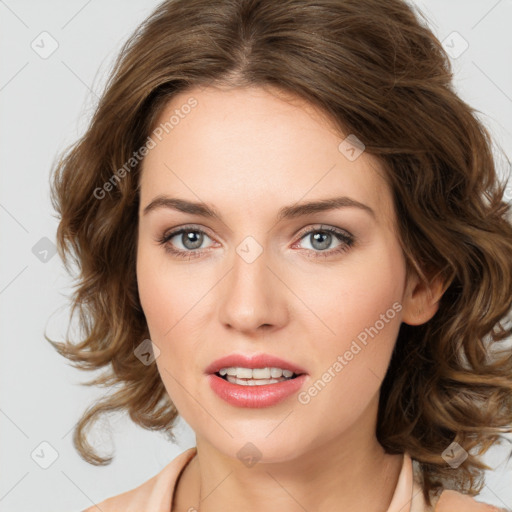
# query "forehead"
(251, 145)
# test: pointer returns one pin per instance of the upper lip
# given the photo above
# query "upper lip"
(253, 361)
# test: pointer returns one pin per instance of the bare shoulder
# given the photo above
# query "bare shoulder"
(453, 501)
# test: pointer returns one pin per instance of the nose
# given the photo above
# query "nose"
(252, 297)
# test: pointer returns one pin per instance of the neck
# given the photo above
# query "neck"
(350, 472)
(363, 484)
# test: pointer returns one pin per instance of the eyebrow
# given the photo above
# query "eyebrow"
(287, 212)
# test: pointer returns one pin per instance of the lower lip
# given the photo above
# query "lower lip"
(265, 395)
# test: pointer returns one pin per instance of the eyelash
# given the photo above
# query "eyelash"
(347, 241)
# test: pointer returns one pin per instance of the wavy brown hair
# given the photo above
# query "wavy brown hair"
(378, 72)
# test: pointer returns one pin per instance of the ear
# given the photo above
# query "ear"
(421, 299)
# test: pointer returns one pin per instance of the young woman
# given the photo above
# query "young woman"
(290, 232)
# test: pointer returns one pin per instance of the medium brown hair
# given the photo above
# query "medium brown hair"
(378, 72)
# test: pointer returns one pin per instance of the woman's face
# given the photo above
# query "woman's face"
(263, 277)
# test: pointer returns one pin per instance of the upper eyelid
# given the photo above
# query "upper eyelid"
(324, 227)
(171, 233)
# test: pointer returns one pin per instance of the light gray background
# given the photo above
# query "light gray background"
(45, 105)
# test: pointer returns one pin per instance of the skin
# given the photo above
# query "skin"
(248, 152)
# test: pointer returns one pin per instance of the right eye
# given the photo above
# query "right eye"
(190, 238)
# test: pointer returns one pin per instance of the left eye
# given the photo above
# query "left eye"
(321, 239)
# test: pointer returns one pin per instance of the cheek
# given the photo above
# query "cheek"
(357, 295)
(364, 321)
(163, 304)
(155, 295)
(364, 311)
(163, 296)
(160, 305)
(170, 300)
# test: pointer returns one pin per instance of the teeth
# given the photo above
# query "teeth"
(262, 373)
(255, 373)
(276, 372)
(253, 382)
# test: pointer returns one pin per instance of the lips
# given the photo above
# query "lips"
(254, 361)
(255, 396)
